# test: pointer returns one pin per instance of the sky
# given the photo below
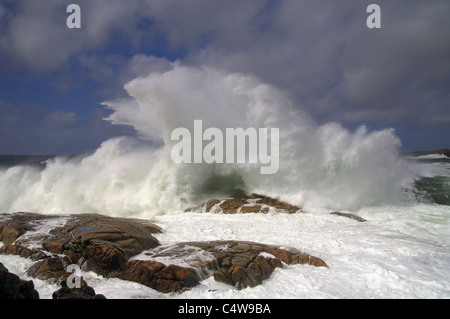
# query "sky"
(53, 79)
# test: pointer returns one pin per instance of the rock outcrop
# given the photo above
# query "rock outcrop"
(84, 292)
(158, 276)
(246, 264)
(238, 263)
(108, 246)
(12, 287)
(244, 204)
(348, 215)
(98, 243)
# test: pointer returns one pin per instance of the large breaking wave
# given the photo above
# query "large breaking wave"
(320, 165)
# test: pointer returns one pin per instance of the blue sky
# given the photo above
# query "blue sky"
(53, 79)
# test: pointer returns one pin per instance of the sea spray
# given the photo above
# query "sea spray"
(319, 165)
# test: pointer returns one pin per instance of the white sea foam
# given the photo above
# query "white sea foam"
(432, 156)
(400, 252)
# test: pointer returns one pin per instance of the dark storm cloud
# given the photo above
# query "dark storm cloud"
(36, 36)
(320, 51)
(324, 54)
(35, 130)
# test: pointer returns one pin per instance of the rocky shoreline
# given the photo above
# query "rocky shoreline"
(108, 246)
(444, 151)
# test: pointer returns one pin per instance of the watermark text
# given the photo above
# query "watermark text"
(236, 145)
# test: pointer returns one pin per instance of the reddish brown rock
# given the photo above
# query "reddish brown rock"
(210, 204)
(254, 203)
(242, 264)
(13, 228)
(253, 209)
(52, 269)
(174, 278)
(99, 243)
(231, 206)
(105, 245)
(141, 271)
(158, 276)
(33, 254)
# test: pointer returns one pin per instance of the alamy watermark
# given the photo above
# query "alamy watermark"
(235, 145)
(374, 19)
(74, 19)
(218, 151)
(74, 280)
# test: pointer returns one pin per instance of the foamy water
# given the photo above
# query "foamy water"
(401, 252)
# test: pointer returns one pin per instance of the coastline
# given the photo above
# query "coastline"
(443, 151)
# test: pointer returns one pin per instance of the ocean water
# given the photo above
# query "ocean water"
(402, 251)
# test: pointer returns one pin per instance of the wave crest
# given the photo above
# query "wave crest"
(326, 166)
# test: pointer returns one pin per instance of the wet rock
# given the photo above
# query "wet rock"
(211, 203)
(158, 276)
(12, 287)
(52, 269)
(99, 243)
(33, 254)
(348, 215)
(84, 292)
(243, 203)
(13, 228)
(247, 264)
(105, 245)
(238, 263)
